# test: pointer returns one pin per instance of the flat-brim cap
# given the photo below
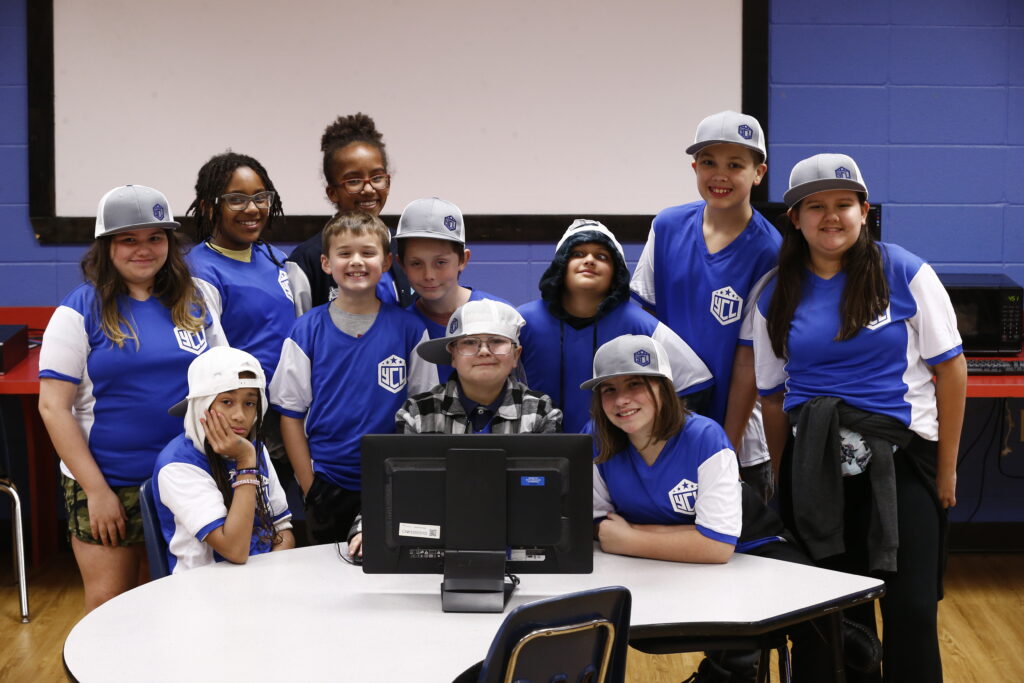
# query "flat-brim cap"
(823, 172)
(133, 207)
(432, 218)
(485, 316)
(731, 127)
(630, 354)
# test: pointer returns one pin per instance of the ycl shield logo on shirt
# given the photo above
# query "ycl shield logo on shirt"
(684, 497)
(726, 305)
(282, 277)
(159, 212)
(193, 342)
(642, 358)
(745, 131)
(391, 373)
(843, 172)
(449, 222)
(880, 321)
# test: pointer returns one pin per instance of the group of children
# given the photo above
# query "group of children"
(342, 339)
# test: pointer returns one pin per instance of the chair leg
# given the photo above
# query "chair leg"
(18, 547)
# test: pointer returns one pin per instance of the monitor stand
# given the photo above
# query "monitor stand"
(474, 581)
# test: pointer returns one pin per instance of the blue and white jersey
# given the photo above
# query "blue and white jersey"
(253, 299)
(703, 296)
(345, 386)
(695, 480)
(190, 506)
(435, 330)
(884, 368)
(123, 393)
(558, 358)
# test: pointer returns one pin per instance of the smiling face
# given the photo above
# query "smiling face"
(590, 269)
(831, 222)
(239, 229)
(726, 172)
(240, 407)
(138, 255)
(631, 403)
(356, 262)
(485, 370)
(357, 160)
(433, 266)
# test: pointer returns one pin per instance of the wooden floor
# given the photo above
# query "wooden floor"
(981, 624)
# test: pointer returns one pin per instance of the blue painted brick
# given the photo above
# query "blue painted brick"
(948, 115)
(1013, 235)
(951, 13)
(14, 175)
(947, 233)
(832, 55)
(1014, 178)
(496, 251)
(28, 284)
(1015, 117)
(948, 56)
(12, 13)
(70, 253)
(13, 114)
(827, 115)
(817, 12)
(18, 238)
(67, 276)
(872, 160)
(506, 280)
(1017, 14)
(1016, 40)
(947, 175)
(12, 55)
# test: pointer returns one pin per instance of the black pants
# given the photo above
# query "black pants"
(910, 606)
(330, 511)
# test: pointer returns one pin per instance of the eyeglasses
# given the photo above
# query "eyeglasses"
(470, 346)
(355, 185)
(236, 201)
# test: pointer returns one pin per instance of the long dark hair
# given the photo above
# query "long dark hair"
(172, 285)
(668, 421)
(264, 519)
(865, 294)
(211, 182)
(345, 130)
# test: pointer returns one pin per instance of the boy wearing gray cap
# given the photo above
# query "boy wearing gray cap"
(700, 269)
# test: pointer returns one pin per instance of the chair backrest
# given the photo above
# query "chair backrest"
(156, 546)
(574, 638)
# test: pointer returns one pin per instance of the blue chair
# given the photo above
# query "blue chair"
(575, 638)
(156, 546)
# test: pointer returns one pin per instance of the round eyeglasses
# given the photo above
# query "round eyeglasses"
(237, 201)
(470, 346)
(381, 181)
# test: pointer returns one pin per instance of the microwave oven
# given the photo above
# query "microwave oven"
(988, 312)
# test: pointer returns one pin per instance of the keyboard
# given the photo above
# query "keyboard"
(994, 366)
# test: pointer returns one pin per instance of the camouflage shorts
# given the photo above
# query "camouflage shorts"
(77, 505)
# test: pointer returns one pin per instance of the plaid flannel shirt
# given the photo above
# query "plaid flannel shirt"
(439, 411)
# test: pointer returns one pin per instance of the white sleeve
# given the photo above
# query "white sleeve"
(687, 367)
(65, 349)
(602, 499)
(302, 292)
(642, 283)
(769, 369)
(422, 373)
(215, 307)
(191, 494)
(747, 325)
(719, 505)
(291, 388)
(278, 500)
(935, 320)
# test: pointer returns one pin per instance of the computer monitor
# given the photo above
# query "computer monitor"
(475, 507)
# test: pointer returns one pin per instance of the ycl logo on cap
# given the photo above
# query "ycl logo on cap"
(642, 358)
(843, 172)
(159, 212)
(453, 326)
(684, 497)
(391, 373)
(449, 222)
(745, 131)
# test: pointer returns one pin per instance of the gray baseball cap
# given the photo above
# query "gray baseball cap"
(583, 225)
(729, 126)
(133, 207)
(630, 354)
(433, 218)
(823, 172)
(484, 316)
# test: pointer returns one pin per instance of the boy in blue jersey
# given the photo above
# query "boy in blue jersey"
(345, 370)
(701, 268)
(431, 241)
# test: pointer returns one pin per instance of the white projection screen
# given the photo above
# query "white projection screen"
(528, 107)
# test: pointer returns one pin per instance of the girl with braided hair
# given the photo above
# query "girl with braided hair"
(355, 168)
(216, 494)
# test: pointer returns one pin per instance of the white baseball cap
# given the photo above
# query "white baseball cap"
(581, 225)
(729, 126)
(433, 218)
(133, 207)
(823, 172)
(630, 354)
(485, 316)
(216, 371)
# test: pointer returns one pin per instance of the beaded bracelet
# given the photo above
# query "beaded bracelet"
(243, 482)
(253, 471)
